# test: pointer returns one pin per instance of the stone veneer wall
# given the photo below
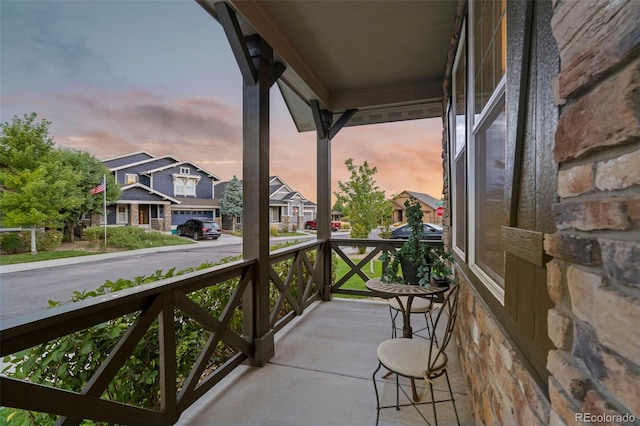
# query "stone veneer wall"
(502, 391)
(594, 278)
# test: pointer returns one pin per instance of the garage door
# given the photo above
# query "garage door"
(179, 217)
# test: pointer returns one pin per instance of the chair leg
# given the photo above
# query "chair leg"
(375, 387)
(433, 404)
(393, 322)
(397, 392)
(453, 401)
(414, 393)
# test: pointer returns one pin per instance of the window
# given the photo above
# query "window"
(130, 178)
(122, 214)
(487, 59)
(190, 187)
(458, 126)
(178, 186)
(185, 185)
(185, 171)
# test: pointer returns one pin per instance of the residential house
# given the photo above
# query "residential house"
(287, 208)
(161, 192)
(428, 203)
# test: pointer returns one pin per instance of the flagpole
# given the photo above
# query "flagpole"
(104, 204)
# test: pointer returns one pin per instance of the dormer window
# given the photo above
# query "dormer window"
(185, 184)
(130, 178)
(185, 170)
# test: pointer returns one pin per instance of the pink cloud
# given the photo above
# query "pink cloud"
(209, 133)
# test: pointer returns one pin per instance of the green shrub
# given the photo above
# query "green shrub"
(20, 242)
(273, 230)
(94, 233)
(345, 226)
(128, 237)
(48, 240)
(12, 243)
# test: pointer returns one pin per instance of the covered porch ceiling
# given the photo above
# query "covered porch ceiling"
(385, 58)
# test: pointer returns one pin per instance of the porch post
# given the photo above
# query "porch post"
(255, 187)
(324, 119)
(255, 59)
(325, 132)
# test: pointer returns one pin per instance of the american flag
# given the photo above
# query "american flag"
(98, 189)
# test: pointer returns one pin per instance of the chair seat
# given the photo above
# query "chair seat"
(419, 305)
(408, 357)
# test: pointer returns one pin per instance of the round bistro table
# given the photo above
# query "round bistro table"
(389, 290)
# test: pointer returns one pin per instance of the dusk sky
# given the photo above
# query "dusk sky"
(159, 76)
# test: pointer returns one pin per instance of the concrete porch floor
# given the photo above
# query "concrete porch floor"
(321, 375)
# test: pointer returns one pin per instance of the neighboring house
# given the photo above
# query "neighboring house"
(161, 192)
(287, 208)
(429, 205)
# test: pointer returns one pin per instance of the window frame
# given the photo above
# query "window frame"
(476, 122)
(126, 213)
(462, 50)
(130, 178)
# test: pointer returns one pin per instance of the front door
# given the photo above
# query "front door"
(143, 215)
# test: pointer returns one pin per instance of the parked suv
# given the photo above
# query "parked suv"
(199, 228)
(431, 231)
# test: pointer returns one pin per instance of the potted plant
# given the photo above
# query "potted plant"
(419, 261)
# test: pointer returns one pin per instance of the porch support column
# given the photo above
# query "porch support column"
(325, 132)
(255, 59)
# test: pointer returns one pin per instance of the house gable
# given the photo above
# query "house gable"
(132, 172)
(140, 192)
(122, 160)
(172, 179)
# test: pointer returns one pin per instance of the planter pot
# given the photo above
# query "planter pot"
(439, 282)
(409, 272)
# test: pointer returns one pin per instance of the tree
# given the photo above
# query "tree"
(231, 203)
(90, 171)
(363, 202)
(35, 184)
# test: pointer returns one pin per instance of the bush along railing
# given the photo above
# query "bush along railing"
(142, 351)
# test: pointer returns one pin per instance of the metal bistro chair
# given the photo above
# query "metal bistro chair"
(420, 359)
(425, 306)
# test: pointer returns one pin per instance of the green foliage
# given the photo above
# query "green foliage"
(12, 243)
(231, 203)
(90, 171)
(362, 201)
(130, 237)
(18, 242)
(413, 251)
(24, 143)
(48, 240)
(37, 197)
(42, 185)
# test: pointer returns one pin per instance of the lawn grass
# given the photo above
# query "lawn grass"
(11, 259)
(355, 282)
(148, 240)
